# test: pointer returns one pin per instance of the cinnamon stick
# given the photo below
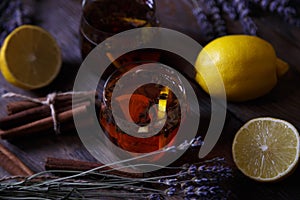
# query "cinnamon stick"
(77, 165)
(12, 164)
(43, 125)
(18, 106)
(35, 113)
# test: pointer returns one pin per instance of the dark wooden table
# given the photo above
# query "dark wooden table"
(61, 18)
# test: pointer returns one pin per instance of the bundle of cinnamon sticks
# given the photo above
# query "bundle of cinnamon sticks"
(28, 118)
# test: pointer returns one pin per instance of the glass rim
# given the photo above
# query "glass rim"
(116, 74)
(84, 21)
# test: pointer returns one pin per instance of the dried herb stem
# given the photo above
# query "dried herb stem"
(189, 181)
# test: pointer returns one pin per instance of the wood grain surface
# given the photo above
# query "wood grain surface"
(61, 19)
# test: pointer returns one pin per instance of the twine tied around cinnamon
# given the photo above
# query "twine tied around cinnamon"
(50, 100)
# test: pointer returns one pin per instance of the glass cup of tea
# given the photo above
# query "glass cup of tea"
(104, 18)
(142, 107)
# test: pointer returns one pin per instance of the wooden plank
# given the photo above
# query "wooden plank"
(61, 19)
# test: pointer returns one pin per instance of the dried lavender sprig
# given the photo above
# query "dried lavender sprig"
(249, 25)
(107, 165)
(264, 4)
(203, 21)
(174, 181)
(217, 20)
(10, 17)
(84, 187)
(14, 13)
(243, 11)
(227, 8)
(155, 197)
(217, 169)
(10, 14)
(28, 11)
(280, 7)
(90, 188)
(208, 175)
(185, 145)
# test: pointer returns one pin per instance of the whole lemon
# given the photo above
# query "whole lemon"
(245, 66)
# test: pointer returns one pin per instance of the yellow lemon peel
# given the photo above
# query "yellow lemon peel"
(247, 66)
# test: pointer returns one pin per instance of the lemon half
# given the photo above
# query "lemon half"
(266, 149)
(30, 57)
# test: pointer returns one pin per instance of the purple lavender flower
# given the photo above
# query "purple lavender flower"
(243, 11)
(192, 170)
(227, 8)
(170, 191)
(205, 25)
(217, 20)
(155, 197)
(10, 18)
(280, 7)
(189, 191)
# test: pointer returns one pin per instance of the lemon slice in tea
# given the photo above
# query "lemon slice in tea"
(266, 149)
(30, 57)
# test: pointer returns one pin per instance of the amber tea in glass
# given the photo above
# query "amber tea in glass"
(104, 18)
(140, 101)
